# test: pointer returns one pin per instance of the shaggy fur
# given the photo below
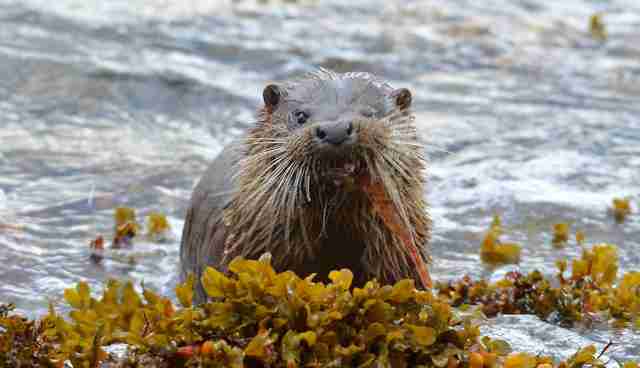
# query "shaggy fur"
(279, 190)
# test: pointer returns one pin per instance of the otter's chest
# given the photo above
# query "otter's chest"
(342, 236)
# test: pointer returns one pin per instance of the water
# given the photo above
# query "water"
(108, 103)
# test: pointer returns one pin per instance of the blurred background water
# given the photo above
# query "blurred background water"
(110, 103)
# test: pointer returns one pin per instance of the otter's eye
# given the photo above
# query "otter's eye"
(300, 116)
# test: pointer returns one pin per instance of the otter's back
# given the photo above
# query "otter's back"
(203, 234)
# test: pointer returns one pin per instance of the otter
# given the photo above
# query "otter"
(314, 182)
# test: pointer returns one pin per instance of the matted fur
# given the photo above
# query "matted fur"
(284, 201)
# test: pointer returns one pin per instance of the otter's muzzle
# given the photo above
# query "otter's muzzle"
(335, 133)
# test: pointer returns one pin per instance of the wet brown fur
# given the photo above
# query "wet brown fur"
(283, 203)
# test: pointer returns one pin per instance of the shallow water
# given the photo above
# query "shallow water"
(108, 103)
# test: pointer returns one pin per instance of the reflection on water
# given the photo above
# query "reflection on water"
(107, 103)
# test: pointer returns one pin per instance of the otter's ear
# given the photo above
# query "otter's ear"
(402, 98)
(271, 96)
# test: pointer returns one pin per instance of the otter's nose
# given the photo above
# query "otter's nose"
(336, 133)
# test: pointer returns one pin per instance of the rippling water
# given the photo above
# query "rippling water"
(107, 103)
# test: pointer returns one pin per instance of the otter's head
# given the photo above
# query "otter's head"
(339, 125)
